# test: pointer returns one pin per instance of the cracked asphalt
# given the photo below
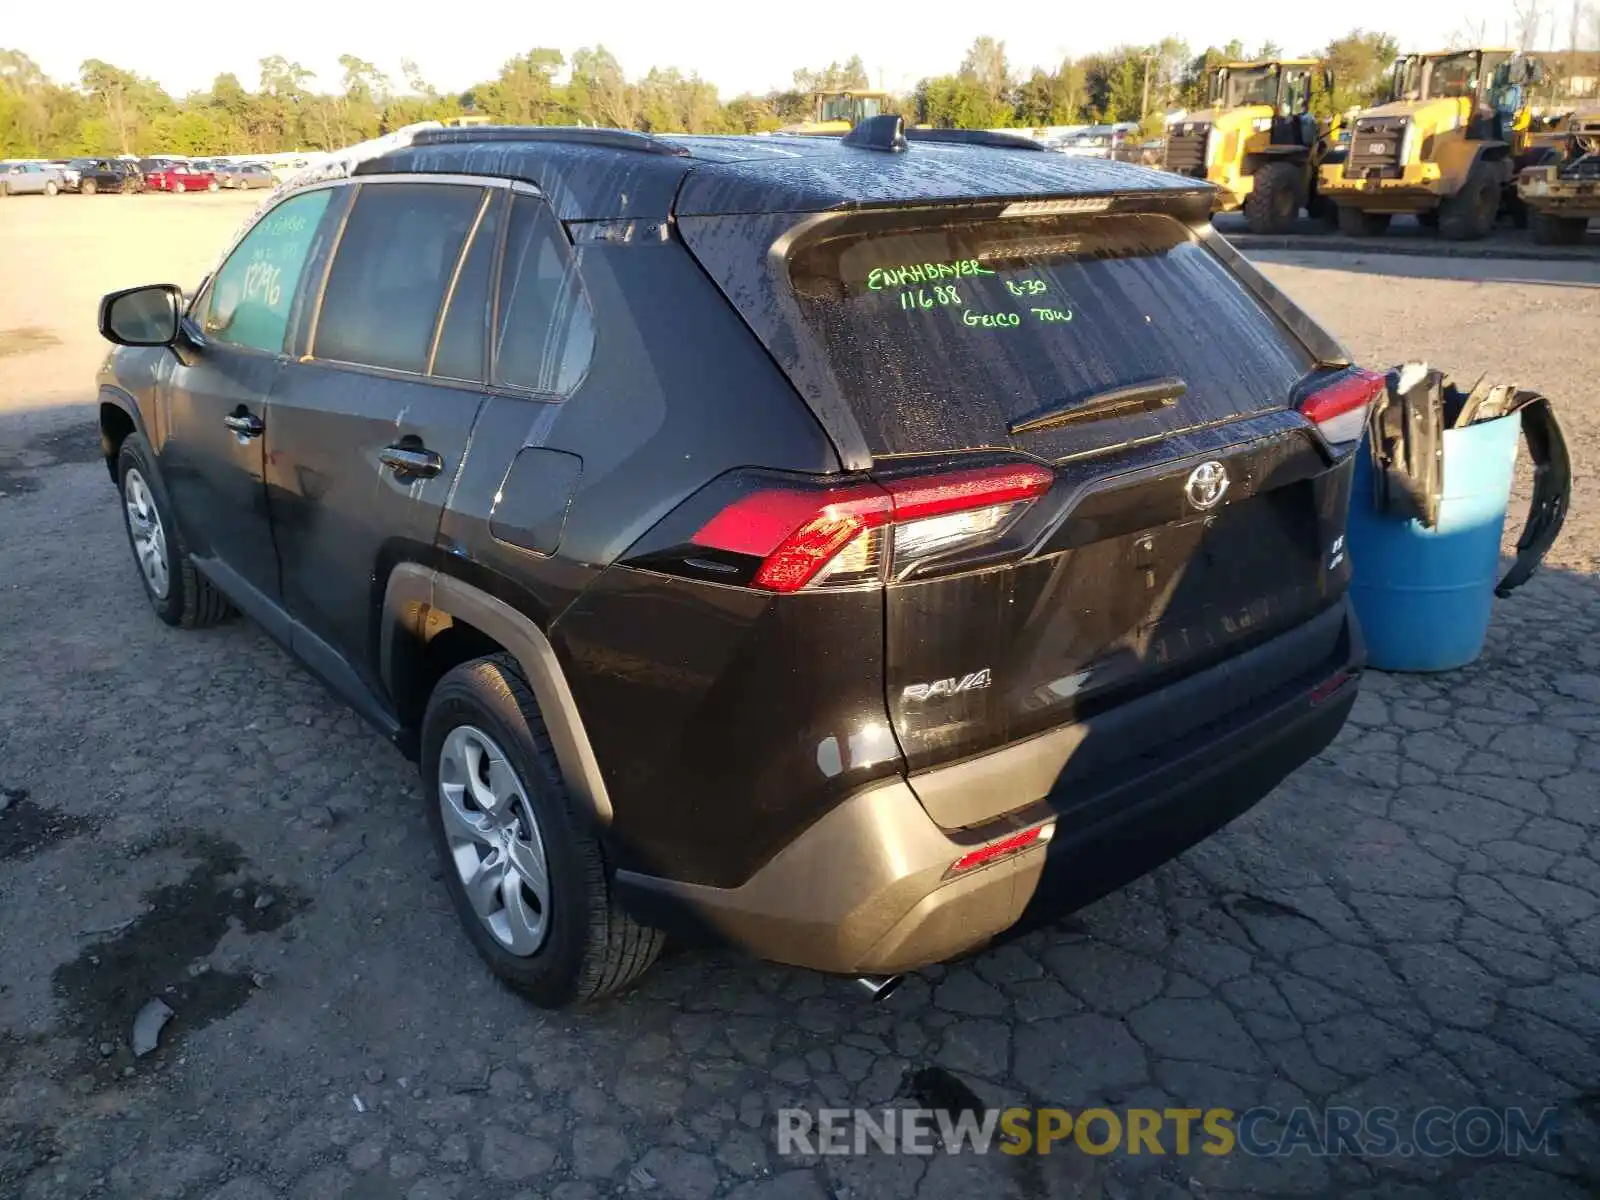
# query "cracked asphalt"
(1412, 920)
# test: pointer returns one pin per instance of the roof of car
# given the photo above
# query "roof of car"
(608, 174)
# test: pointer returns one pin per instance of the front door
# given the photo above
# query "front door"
(367, 428)
(215, 388)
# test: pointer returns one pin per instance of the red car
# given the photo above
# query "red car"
(180, 177)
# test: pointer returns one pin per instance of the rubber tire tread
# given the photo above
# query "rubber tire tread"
(1458, 214)
(1354, 222)
(1272, 180)
(193, 601)
(1548, 230)
(616, 949)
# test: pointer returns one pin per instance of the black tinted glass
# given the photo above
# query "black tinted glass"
(389, 275)
(546, 335)
(463, 338)
(952, 332)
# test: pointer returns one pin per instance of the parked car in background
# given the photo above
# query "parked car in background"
(108, 175)
(245, 176)
(181, 177)
(29, 178)
(1101, 141)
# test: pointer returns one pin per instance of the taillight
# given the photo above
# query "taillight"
(861, 532)
(1339, 408)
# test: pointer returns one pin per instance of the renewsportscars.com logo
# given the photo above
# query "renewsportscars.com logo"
(1260, 1132)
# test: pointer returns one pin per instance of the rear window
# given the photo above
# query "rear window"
(942, 337)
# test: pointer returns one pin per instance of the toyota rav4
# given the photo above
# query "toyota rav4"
(849, 548)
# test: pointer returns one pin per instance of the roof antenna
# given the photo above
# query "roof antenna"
(886, 133)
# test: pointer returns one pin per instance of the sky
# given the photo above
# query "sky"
(723, 40)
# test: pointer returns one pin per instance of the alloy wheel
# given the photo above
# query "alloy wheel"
(494, 840)
(148, 534)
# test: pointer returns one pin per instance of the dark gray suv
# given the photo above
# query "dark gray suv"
(847, 548)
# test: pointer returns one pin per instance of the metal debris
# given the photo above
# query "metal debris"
(147, 1026)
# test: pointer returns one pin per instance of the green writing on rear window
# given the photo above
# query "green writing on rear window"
(880, 278)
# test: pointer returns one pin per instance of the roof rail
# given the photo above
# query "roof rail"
(975, 137)
(614, 139)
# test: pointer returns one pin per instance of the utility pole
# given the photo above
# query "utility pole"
(1144, 106)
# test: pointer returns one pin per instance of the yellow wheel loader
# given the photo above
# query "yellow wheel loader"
(1445, 147)
(839, 112)
(1258, 142)
(1561, 192)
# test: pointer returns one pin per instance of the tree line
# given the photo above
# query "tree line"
(112, 110)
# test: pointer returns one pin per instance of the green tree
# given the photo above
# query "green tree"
(1360, 63)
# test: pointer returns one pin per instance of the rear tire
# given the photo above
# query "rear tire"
(180, 186)
(1273, 205)
(1355, 222)
(90, 187)
(560, 945)
(1550, 230)
(1429, 219)
(1469, 215)
(180, 595)
(212, 186)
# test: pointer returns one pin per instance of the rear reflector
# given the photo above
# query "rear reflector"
(842, 536)
(1004, 848)
(1339, 409)
(1329, 686)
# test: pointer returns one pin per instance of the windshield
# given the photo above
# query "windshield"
(1451, 76)
(854, 109)
(1256, 85)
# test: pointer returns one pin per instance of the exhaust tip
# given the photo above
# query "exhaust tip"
(879, 987)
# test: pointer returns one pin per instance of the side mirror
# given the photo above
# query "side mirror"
(142, 316)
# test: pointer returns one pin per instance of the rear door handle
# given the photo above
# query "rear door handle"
(411, 460)
(246, 425)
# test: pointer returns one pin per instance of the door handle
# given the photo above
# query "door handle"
(246, 425)
(411, 460)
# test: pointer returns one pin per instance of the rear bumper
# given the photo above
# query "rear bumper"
(866, 890)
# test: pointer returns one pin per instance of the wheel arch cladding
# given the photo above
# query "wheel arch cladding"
(117, 420)
(422, 604)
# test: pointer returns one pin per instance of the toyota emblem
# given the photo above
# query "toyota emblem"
(1206, 485)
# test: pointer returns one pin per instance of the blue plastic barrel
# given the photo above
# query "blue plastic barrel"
(1423, 596)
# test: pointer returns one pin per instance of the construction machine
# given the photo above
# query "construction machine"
(839, 112)
(1445, 146)
(1562, 191)
(1258, 141)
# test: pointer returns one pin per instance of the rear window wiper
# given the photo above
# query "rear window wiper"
(1113, 402)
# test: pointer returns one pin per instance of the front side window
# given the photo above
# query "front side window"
(394, 262)
(249, 300)
(546, 330)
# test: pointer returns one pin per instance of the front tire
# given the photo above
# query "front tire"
(180, 595)
(1469, 215)
(179, 186)
(212, 186)
(1354, 222)
(50, 189)
(1273, 204)
(1548, 229)
(521, 860)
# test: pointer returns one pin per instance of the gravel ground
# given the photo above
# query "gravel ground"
(1411, 920)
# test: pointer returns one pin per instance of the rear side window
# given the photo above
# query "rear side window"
(946, 336)
(249, 300)
(464, 335)
(387, 283)
(546, 332)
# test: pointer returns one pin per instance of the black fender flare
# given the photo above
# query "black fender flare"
(124, 403)
(416, 596)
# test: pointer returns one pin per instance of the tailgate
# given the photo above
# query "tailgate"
(1192, 513)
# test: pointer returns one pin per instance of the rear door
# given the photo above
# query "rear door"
(1190, 514)
(368, 427)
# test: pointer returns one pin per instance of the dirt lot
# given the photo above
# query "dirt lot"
(1413, 920)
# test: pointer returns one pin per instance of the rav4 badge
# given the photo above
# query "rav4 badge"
(916, 693)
